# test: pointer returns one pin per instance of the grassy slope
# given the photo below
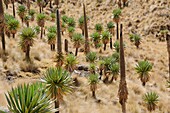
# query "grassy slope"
(80, 101)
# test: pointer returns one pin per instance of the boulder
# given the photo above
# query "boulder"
(82, 67)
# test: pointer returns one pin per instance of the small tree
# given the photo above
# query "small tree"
(114, 68)
(51, 35)
(37, 29)
(105, 38)
(78, 41)
(116, 19)
(51, 40)
(151, 99)
(40, 4)
(116, 46)
(63, 28)
(26, 41)
(81, 24)
(93, 80)
(27, 19)
(91, 57)
(92, 68)
(163, 34)
(71, 22)
(136, 39)
(41, 22)
(21, 12)
(143, 68)
(58, 82)
(71, 31)
(52, 29)
(115, 56)
(98, 28)
(107, 62)
(12, 26)
(101, 67)
(131, 37)
(32, 14)
(64, 18)
(53, 17)
(7, 18)
(95, 38)
(71, 62)
(110, 27)
(116, 15)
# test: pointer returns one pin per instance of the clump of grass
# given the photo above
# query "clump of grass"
(29, 67)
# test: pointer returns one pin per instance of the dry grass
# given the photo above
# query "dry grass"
(80, 101)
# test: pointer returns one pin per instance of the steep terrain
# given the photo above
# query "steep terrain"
(146, 19)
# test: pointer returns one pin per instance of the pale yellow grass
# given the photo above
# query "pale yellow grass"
(80, 101)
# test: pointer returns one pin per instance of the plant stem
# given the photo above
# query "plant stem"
(117, 30)
(94, 94)
(41, 32)
(13, 35)
(27, 54)
(56, 105)
(111, 45)
(104, 47)
(76, 51)
(13, 6)
(66, 45)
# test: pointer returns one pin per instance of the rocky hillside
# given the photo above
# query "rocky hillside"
(141, 17)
